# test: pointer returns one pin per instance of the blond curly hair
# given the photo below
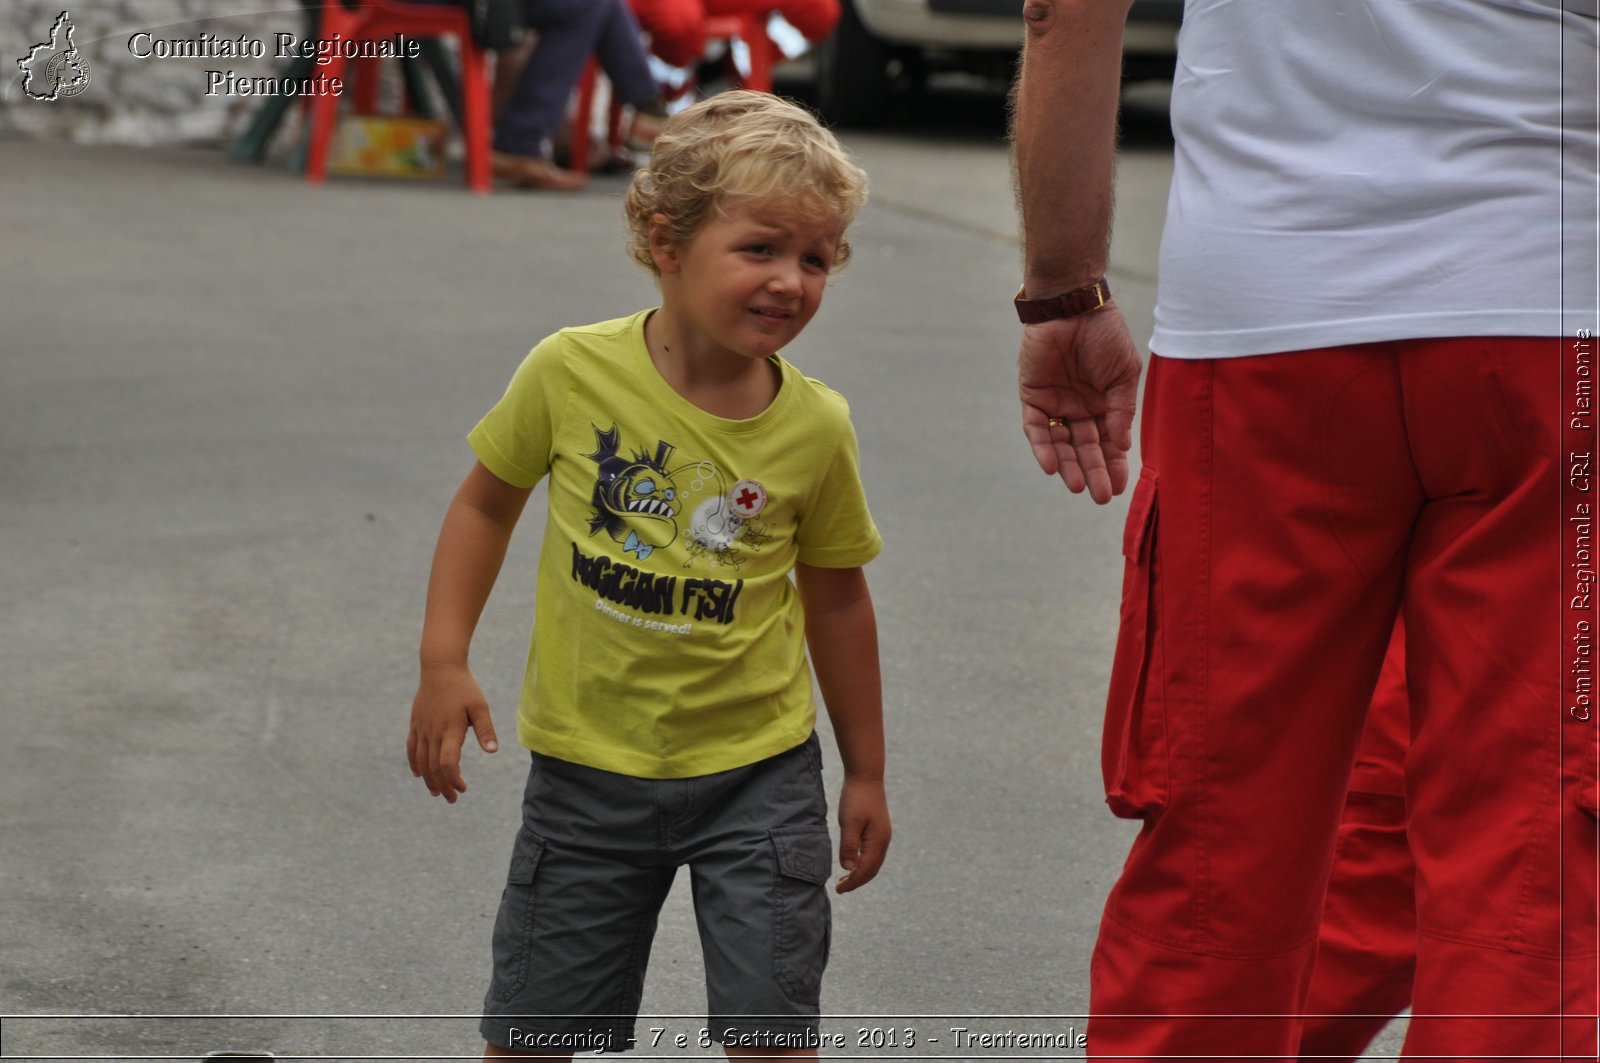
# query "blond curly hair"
(750, 145)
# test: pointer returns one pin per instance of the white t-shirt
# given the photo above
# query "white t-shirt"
(1351, 171)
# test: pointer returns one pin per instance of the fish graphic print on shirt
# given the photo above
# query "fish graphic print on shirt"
(643, 500)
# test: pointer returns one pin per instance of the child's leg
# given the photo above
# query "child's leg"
(769, 1053)
(493, 1050)
(760, 859)
(573, 934)
(490, 1050)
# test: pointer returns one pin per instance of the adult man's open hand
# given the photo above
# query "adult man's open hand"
(1079, 382)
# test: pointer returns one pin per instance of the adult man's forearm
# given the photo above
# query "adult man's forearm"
(1064, 128)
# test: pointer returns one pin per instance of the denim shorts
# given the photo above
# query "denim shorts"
(592, 865)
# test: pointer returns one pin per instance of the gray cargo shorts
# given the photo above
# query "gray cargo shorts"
(592, 866)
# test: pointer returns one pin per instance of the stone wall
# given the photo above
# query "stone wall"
(131, 100)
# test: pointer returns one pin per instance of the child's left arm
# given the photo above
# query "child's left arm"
(843, 636)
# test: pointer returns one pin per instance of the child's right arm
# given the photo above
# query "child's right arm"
(472, 545)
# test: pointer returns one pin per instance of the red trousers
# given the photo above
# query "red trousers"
(678, 32)
(1290, 509)
(1367, 948)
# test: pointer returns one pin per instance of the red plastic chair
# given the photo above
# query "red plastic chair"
(752, 29)
(375, 20)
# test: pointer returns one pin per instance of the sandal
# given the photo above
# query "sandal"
(534, 171)
(643, 130)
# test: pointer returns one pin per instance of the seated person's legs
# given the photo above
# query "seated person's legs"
(568, 31)
(622, 56)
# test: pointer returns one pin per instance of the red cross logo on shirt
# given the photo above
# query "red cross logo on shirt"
(747, 499)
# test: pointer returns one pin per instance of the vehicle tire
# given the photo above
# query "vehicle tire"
(853, 83)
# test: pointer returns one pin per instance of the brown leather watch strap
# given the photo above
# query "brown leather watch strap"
(1079, 301)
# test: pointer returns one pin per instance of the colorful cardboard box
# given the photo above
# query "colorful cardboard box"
(370, 146)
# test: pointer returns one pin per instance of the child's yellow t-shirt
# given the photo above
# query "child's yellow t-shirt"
(668, 639)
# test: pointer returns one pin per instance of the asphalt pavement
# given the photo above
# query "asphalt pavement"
(233, 407)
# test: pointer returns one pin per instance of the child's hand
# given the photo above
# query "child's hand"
(448, 701)
(863, 832)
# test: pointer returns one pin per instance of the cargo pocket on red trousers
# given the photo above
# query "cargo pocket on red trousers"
(1589, 784)
(1581, 748)
(1133, 751)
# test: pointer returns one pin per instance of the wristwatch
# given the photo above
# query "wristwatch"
(1071, 304)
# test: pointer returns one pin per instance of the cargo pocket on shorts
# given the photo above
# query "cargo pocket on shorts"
(802, 924)
(513, 926)
(1133, 751)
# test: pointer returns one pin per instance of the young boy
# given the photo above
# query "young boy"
(667, 700)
